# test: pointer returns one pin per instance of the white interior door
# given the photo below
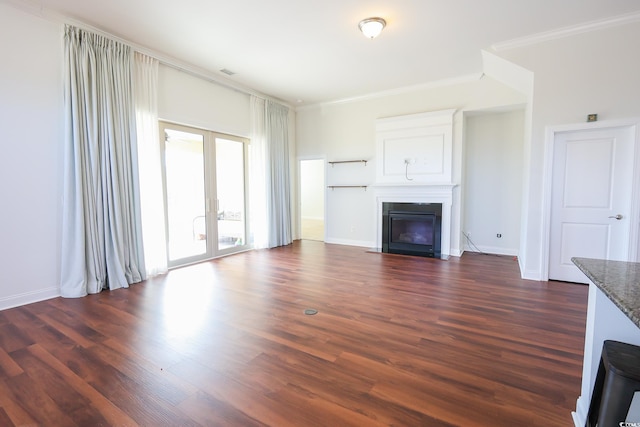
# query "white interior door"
(591, 198)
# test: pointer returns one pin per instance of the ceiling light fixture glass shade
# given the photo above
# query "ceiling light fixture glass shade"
(372, 27)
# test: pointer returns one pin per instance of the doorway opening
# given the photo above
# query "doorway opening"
(312, 194)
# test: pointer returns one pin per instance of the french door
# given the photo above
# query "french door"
(205, 193)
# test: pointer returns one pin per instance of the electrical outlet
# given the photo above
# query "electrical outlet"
(499, 236)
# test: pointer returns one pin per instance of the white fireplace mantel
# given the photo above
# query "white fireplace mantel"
(417, 193)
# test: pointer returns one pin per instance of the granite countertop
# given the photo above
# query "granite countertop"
(618, 280)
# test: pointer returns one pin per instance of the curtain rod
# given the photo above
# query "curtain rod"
(33, 8)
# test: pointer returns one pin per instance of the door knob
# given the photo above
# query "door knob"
(618, 217)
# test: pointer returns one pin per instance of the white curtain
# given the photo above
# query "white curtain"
(278, 193)
(258, 175)
(149, 164)
(101, 238)
(270, 194)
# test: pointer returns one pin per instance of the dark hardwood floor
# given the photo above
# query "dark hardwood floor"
(401, 341)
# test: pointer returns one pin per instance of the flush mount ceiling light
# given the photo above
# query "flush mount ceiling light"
(371, 27)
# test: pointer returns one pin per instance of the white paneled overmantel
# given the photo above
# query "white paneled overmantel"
(415, 149)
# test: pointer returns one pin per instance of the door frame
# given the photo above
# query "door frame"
(547, 188)
(211, 189)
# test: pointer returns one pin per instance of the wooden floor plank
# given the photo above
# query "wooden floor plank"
(70, 402)
(5, 419)
(208, 411)
(32, 396)
(12, 409)
(8, 366)
(397, 340)
(99, 402)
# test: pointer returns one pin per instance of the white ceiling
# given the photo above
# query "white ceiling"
(311, 50)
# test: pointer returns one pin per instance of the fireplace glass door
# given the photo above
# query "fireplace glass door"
(413, 229)
(412, 233)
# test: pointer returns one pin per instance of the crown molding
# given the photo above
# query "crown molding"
(567, 31)
(397, 91)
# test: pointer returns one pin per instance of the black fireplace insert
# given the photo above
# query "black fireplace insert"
(412, 228)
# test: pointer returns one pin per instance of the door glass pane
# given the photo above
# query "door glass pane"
(186, 207)
(230, 191)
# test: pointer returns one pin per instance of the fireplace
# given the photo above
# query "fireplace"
(412, 228)
(401, 196)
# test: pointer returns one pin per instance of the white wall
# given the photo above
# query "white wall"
(192, 101)
(345, 131)
(494, 145)
(31, 105)
(594, 72)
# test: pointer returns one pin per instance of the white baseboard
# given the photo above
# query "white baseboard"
(345, 242)
(29, 298)
(581, 412)
(456, 253)
(531, 275)
(524, 274)
(577, 421)
(495, 250)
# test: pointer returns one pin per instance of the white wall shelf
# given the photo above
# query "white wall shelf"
(341, 162)
(347, 186)
(347, 161)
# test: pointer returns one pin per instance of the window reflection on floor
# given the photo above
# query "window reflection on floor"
(186, 301)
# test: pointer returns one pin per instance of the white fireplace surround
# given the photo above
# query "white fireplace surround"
(417, 193)
(414, 165)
